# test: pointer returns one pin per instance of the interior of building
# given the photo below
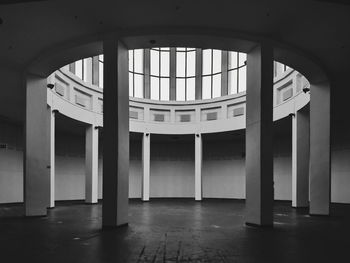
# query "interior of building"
(174, 131)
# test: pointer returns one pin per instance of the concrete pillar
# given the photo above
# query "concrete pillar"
(172, 88)
(198, 74)
(320, 148)
(198, 167)
(146, 165)
(259, 154)
(115, 134)
(91, 164)
(300, 159)
(52, 159)
(37, 147)
(224, 76)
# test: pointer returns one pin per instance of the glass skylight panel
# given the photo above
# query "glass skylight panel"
(206, 62)
(131, 60)
(138, 60)
(180, 89)
(206, 87)
(165, 64)
(216, 61)
(216, 85)
(79, 69)
(131, 84)
(180, 64)
(100, 74)
(138, 86)
(154, 88)
(190, 89)
(242, 59)
(232, 60)
(191, 64)
(232, 81)
(154, 62)
(242, 79)
(164, 85)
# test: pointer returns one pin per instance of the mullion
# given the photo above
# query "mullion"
(159, 80)
(186, 74)
(237, 72)
(211, 71)
(133, 73)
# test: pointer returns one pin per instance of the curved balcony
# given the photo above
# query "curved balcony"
(84, 102)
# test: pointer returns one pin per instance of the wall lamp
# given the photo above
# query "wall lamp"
(197, 135)
(50, 85)
(292, 114)
(305, 90)
(147, 134)
(55, 111)
(98, 128)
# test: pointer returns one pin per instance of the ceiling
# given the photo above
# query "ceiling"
(320, 30)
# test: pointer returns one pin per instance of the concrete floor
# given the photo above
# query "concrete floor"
(173, 231)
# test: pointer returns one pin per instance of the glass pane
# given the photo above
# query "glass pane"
(164, 85)
(232, 60)
(154, 88)
(242, 57)
(138, 53)
(191, 64)
(180, 64)
(191, 89)
(131, 60)
(216, 61)
(232, 82)
(79, 69)
(206, 87)
(206, 64)
(180, 89)
(131, 85)
(154, 63)
(181, 49)
(87, 70)
(138, 86)
(100, 74)
(216, 85)
(100, 57)
(165, 64)
(242, 79)
(165, 48)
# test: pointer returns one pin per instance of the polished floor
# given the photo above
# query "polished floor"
(174, 231)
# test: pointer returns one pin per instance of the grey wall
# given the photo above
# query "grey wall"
(172, 167)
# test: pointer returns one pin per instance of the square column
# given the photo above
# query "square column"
(91, 164)
(259, 153)
(37, 147)
(198, 167)
(146, 165)
(300, 159)
(320, 173)
(52, 158)
(115, 134)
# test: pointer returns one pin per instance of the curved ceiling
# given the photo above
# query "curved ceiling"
(318, 29)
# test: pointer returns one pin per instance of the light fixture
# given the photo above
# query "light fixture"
(55, 111)
(292, 114)
(306, 89)
(98, 128)
(50, 86)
